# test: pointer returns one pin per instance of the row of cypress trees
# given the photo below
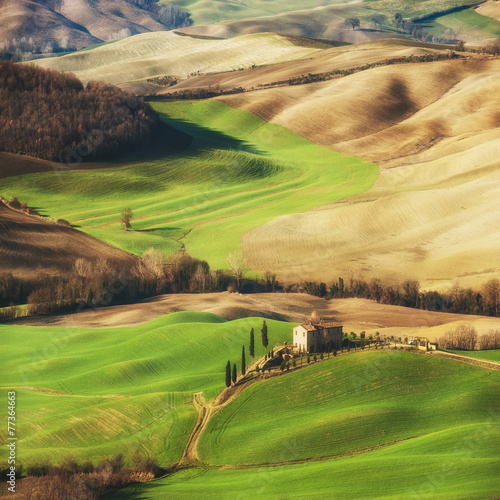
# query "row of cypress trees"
(231, 373)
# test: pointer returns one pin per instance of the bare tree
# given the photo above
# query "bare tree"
(463, 338)
(491, 290)
(490, 340)
(238, 267)
(83, 267)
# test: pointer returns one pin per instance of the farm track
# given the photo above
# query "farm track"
(484, 363)
(206, 410)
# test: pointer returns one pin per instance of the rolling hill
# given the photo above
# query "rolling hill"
(432, 127)
(30, 246)
(238, 173)
(92, 393)
(355, 314)
(72, 23)
(331, 425)
(435, 138)
(176, 55)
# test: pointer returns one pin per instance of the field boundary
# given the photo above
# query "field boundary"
(483, 363)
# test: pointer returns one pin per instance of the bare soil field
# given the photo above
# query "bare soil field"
(355, 314)
(30, 247)
(489, 9)
(434, 130)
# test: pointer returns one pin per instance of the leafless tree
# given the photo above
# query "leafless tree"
(238, 267)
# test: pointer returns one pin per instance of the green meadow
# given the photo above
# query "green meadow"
(349, 404)
(367, 425)
(212, 12)
(490, 355)
(98, 392)
(239, 172)
(465, 21)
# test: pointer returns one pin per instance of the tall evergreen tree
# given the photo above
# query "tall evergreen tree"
(252, 343)
(265, 340)
(234, 373)
(228, 374)
(243, 364)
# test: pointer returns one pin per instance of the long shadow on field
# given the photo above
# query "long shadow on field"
(169, 141)
(212, 138)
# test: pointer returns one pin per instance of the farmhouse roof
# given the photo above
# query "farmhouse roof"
(321, 326)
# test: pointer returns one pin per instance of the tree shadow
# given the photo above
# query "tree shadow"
(209, 137)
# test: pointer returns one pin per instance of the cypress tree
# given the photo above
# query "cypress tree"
(234, 373)
(243, 364)
(228, 374)
(265, 340)
(252, 343)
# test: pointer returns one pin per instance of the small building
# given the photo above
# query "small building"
(318, 337)
(425, 345)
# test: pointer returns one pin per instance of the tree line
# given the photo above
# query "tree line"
(465, 338)
(45, 480)
(98, 283)
(320, 77)
(53, 116)
(232, 373)
(416, 30)
(483, 301)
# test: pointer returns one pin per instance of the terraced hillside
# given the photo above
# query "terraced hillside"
(93, 393)
(168, 53)
(331, 425)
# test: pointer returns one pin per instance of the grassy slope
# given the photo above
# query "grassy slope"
(210, 12)
(464, 22)
(493, 355)
(354, 402)
(151, 371)
(349, 404)
(239, 172)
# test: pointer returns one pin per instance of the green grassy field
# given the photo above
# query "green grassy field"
(464, 22)
(335, 408)
(95, 393)
(219, 10)
(411, 432)
(239, 172)
(492, 355)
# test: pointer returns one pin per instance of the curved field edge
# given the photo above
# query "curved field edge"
(348, 405)
(97, 392)
(490, 355)
(239, 173)
(372, 476)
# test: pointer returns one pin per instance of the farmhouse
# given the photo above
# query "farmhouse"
(318, 337)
